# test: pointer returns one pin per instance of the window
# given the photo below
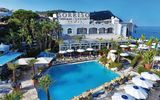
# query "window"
(69, 31)
(93, 31)
(102, 30)
(81, 30)
(110, 30)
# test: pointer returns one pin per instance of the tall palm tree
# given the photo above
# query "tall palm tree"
(13, 67)
(45, 82)
(60, 42)
(32, 63)
(78, 38)
(100, 42)
(12, 37)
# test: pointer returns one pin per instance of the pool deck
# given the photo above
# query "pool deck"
(30, 92)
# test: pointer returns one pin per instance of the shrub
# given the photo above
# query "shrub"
(148, 56)
(116, 64)
(103, 60)
(141, 69)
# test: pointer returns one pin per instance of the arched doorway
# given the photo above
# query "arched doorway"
(69, 31)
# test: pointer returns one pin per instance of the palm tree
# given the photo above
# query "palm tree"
(12, 37)
(149, 43)
(120, 37)
(78, 39)
(13, 67)
(31, 63)
(100, 42)
(143, 37)
(13, 96)
(156, 41)
(45, 82)
(60, 42)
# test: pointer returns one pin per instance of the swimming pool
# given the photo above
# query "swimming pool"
(73, 79)
(9, 57)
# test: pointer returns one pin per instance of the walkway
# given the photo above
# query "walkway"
(28, 88)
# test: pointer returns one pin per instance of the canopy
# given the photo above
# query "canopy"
(157, 58)
(135, 91)
(150, 76)
(4, 48)
(143, 46)
(80, 50)
(124, 54)
(62, 52)
(70, 50)
(41, 60)
(140, 81)
(113, 51)
(123, 46)
(122, 96)
(89, 49)
(132, 45)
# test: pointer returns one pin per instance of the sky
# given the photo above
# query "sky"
(142, 12)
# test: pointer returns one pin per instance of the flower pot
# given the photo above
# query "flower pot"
(148, 66)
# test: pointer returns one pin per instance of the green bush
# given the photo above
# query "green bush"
(116, 64)
(103, 60)
(141, 69)
(148, 56)
(135, 60)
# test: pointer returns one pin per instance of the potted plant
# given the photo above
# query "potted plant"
(148, 58)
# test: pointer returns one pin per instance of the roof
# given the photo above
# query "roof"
(41, 60)
(4, 59)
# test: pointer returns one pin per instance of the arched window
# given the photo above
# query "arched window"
(102, 30)
(69, 30)
(93, 31)
(110, 30)
(81, 30)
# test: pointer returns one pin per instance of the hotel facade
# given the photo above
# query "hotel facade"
(80, 23)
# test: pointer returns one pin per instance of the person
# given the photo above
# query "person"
(50, 64)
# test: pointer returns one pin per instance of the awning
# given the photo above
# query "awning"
(80, 50)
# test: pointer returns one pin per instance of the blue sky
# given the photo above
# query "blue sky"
(143, 12)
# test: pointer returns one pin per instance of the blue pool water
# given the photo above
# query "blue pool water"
(73, 79)
(9, 57)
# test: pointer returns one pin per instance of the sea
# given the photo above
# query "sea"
(149, 31)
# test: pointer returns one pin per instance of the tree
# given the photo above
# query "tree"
(32, 63)
(78, 38)
(100, 42)
(149, 42)
(13, 96)
(12, 38)
(14, 24)
(13, 67)
(60, 42)
(25, 15)
(143, 37)
(45, 82)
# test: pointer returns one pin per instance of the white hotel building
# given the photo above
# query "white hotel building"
(81, 24)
